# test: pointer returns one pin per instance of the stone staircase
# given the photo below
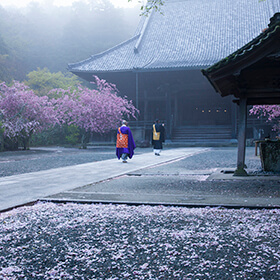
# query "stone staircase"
(202, 134)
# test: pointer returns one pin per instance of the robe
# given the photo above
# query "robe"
(157, 144)
(130, 145)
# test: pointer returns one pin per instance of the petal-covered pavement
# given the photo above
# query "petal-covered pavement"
(95, 241)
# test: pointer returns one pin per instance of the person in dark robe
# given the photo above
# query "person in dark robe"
(125, 143)
(158, 137)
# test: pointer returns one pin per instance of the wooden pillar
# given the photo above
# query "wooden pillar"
(168, 127)
(146, 103)
(137, 90)
(240, 171)
(137, 97)
(146, 115)
(233, 120)
(176, 110)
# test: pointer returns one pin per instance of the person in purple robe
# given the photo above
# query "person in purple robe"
(125, 143)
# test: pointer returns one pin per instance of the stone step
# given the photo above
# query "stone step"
(201, 133)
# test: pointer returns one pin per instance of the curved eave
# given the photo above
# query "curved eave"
(179, 68)
(72, 66)
(139, 70)
(99, 71)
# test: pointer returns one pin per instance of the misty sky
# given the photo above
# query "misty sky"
(22, 3)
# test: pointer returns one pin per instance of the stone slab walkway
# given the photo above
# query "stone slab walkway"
(25, 188)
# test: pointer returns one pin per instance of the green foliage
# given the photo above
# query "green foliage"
(1, 137)
(1, 128)
(151, 5)
(42, 81)
(59, 135)
(73, 135)
(51, 136)
(10, 144)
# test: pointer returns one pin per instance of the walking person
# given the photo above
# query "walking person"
(158, 137)
(125, 143)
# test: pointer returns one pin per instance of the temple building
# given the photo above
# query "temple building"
(159, 68)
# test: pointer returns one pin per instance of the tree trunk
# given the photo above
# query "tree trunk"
(83, 141)
(1, 142)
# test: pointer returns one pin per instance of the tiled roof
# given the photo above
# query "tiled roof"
(273, 30)
(190, 34)
(227, 75)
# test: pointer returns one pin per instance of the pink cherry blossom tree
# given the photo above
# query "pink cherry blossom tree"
(93, 110)
(271, 112)
(23, 113)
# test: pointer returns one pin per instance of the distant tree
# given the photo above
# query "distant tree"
(156, 5)
(44, 35)
(9, 66)
(270, 112)
(4, 74)
(23, 113)
(151, 5)
(93, 110)
(42, 81)
(12, 62)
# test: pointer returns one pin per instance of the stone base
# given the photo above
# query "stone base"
(270, 155)
(138, 134)
(240, 172)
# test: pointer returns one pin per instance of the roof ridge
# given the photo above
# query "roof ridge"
(137, 45)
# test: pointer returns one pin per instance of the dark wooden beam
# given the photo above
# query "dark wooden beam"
(240, 171)
(263, 101)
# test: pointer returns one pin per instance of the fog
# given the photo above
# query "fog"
(45, 35)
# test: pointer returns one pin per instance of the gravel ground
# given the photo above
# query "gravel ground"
(224, 157)
(37, 159)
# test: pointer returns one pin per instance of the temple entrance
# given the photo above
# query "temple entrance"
(154, 109)
(201, 109)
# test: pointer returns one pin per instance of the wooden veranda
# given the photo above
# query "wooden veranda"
(252, 76)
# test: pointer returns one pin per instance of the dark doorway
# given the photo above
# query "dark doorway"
(202, 109)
